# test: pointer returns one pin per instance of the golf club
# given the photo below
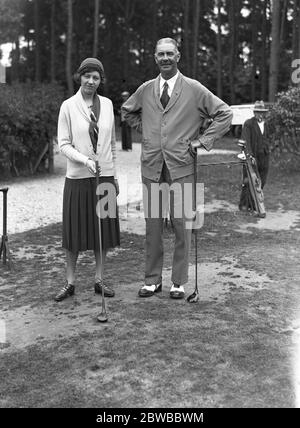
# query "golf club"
(194, 297)
(102, 317)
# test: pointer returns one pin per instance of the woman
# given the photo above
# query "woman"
(86, 133)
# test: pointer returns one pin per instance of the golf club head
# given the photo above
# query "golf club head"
(193, 298)
(102, 317)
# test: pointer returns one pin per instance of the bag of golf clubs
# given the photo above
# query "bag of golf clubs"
(252, 180)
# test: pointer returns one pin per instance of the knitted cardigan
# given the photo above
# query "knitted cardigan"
(74, 139)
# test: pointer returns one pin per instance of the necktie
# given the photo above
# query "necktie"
(94, 130)
(164, 99)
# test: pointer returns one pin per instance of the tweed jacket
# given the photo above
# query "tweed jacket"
(167, 133)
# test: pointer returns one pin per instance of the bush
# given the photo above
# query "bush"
(28, 121)
(284, 123)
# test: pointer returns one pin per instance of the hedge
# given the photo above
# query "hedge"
(284, 124)
(28, 122)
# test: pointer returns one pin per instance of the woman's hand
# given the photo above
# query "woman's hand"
(91, 166)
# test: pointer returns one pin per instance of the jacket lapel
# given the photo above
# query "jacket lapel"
(257, 128)
(157, 93)
(176, 92)
(81, 105)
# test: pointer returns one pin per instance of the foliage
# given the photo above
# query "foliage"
(10, 20)
(284, 123)
(28, 120)
(127, 36)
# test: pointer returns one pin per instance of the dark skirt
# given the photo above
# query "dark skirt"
(80, 220)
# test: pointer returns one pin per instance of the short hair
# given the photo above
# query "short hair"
(167, 40)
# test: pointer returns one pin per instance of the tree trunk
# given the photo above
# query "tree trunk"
(52, 58)
(69, 49)
(128, 10)
(195, 39)
(186, 43)
(274, 58)
(232, 60)
(96, 28)
(219, 52)
(263, 67)
(298, 26)
(295, 31)
(283, 21)
(37, 41)
(16, 62)
(154, 31)
(254, 18)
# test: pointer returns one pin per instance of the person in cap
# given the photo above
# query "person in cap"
(125, 128)
(170, 111)
(86, 133)
(255, 132)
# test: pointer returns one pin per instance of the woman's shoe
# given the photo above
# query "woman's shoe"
(66, 291)
(108, 292)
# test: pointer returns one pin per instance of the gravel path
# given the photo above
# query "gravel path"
(37, 202)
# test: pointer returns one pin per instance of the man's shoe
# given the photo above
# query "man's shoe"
(177, 292)
(108, 292)
(149, 290)
(66, 291)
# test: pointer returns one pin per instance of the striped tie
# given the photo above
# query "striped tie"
(164, 99)
(94, 131)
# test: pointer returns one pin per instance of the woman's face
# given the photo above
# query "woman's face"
(89, 82)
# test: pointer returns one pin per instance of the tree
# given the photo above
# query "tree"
(186, 39)
(96, 28)
(11, 29)
(263, 62)
(219, 51)
(53, 32)
(69, 48)
(195, 38)
(275, 46)
(37, 36)
(232, 20)
(127, 7)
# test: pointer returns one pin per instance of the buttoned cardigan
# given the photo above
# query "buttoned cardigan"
(167, 133)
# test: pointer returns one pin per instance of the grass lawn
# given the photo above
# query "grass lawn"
(236, 347)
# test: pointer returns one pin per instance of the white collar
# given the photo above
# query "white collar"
(171, 83)
(262, 126)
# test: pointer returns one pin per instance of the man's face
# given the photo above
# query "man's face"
(260, 116)
(167, 57)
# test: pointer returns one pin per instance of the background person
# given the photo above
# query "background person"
(255, 133)
(86, 132)
(169, 111)
(125, 128)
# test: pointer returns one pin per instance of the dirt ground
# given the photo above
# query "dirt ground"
(239, 346)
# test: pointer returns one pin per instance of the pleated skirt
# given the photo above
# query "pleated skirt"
(80, 220)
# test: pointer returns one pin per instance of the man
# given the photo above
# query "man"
(125, 128)
(255, 133)
(170, 110)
